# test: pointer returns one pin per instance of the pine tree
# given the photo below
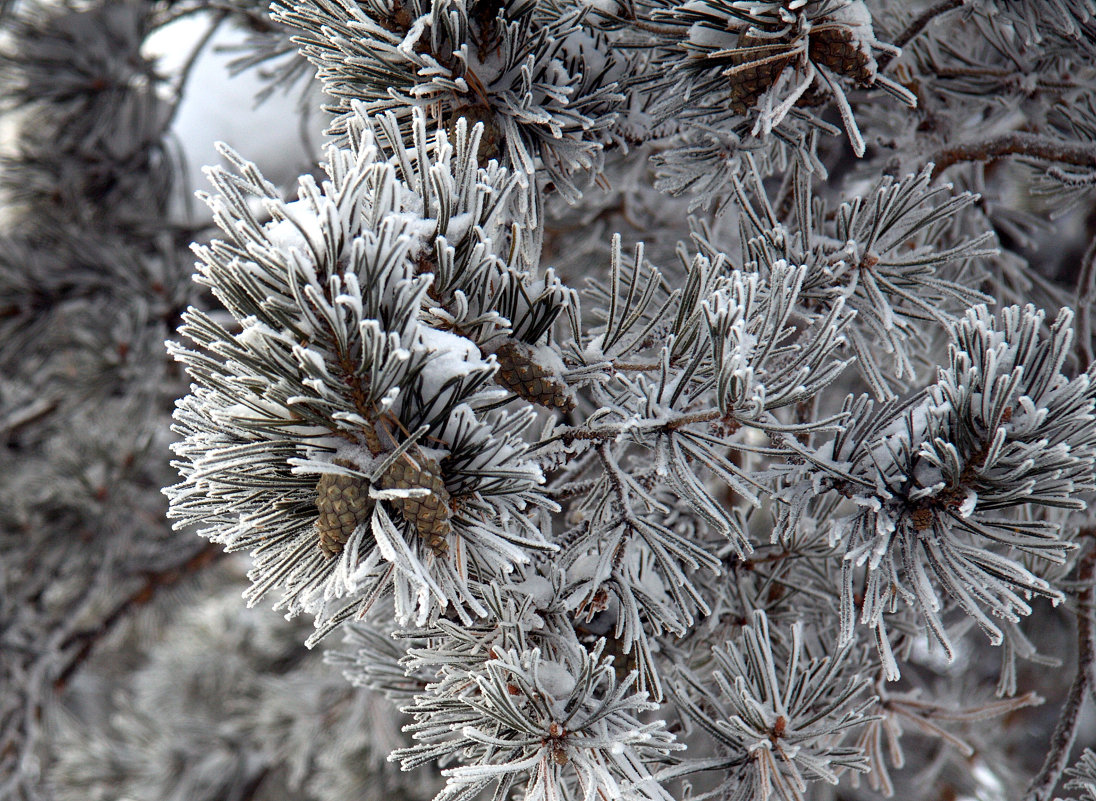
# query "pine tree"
(638, 399)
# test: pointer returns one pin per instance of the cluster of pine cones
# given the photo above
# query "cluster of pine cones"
(343, 502)
(838, 43)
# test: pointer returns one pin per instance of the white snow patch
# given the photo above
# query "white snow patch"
(970, 501)
(301, 221)
(453, 356)
(538, 588)
(555, 679)
(218, 107)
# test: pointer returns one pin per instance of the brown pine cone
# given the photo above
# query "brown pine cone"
(521, 374)
(429, 514)
(838, 48)
(754, 68)
(816, 95)
(343, 503)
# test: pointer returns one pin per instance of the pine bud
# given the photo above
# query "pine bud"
(520, 373)
(343, 502)
(429, 514)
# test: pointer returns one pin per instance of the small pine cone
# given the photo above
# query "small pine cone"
(344, 504)
(521, 374)
(753, 71)
(839, 48)
(429, 514)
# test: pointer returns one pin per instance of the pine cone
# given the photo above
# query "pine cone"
(755, 69)
(344, 504)
(521, 374)
(430, 514)
(838, 48)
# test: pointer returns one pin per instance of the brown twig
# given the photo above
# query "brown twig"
(251, 790)
(153, 583)
(616, 430)
(919, 24)
(805, 412)
(1061, 742)
(1018, 143)
(1086, 297)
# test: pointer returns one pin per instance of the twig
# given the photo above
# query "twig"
(1072, 180)
(584, 486)
(1061, 742)
(251, 790)
(918, 24)
(572, 489)
(1086, 296)
(153, 582)
(1019, 143)
(254, 18)
(615, 430)
(27, 415)
(805, 412)
(188, 65)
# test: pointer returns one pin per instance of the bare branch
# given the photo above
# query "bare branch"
(1019, 143)
(919, 24)
(146, 592)
(1061, 742)
(1086, 296)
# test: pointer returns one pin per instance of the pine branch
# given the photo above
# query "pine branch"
(534, 498)
(918, 24)
(616, 430)
(1019, 143)
(154, 583)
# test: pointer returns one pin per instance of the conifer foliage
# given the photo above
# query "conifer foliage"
(626, 398)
